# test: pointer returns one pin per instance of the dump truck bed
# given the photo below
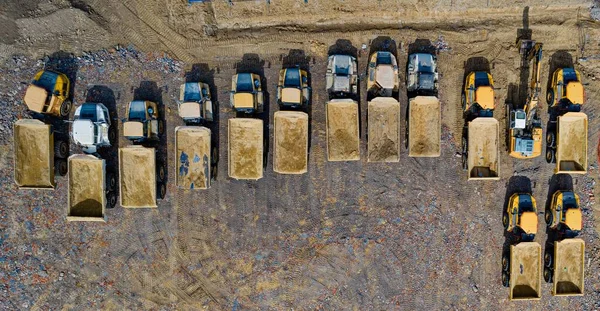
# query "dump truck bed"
(34, 155)
(424, 127)
(525, 271)
(137, 176)
(571, 153)
(192, 157)
(483, 153)
(87, 199)
(384, 130)
(343, 138)
(569, 259)
(291, 142)
(245, 148)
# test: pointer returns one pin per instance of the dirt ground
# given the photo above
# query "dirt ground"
(344, 236)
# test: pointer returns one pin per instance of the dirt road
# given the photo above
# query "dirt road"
(345, 236)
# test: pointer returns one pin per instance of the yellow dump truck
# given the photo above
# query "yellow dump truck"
(88, 191)
(522, 271)
(139, 177)
(566, 143)
(343, 135)
(193, 156)
(35, 149)
(564, 267)
(384, 130)
(480, 149)
(246, 146)
(423, 128)
(291, 142)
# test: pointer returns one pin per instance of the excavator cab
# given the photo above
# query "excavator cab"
(142, 122)
(48, 93)
(564, 214)
(478, 94)
(566, 90)
(246, 93)
(520, 216)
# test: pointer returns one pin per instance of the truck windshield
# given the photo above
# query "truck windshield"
(137, 111)
(292, 78)
(244, 83)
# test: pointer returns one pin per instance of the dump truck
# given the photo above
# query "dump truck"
(36, 148)
(141, 177)
(423, 128)
(564, 213)
(564, 267)
(341, 76)
(421, 74)
(48, 94)
(524, 123)
(246, 94)
(91, 189)
(193, 157)
(142, 123)
(195, 103)
(292, 89)
(478, 94)
(383, 74)
(566, 143)
(343, 133)
(291, 142)
(522, 271)
(246, 145)
(520, 217)
(480, 152)
(566, 90)
(384, 130)
(91, 128)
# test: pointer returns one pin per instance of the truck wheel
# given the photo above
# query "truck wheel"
(111, 181)
(548, 275)
(505, 279)
(505, 262)
(61, 149)
(550, 97)
(505, 220)
(162, 191)
(65, 108)
(548, 259)
(550, 139)
(60, 167)
(548, 217)
(550, 156)
(161, 172)
(111, 199)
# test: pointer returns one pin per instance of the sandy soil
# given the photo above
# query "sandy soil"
(344, 236)
(86, 187)
(384, 130)
(137, 173)
(290, 142)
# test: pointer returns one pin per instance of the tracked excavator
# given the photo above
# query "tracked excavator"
(525, 125)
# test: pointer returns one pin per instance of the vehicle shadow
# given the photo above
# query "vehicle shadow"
(65, 63)
(515, 185)
(252, 63)
(103, 94)
(201, 72)
(149, 90)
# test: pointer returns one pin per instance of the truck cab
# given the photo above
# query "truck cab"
(478, 94)
(341, 77)
(293, 90)
(566, 90)
(564, 213)
(195, 103)
(142, 123)
(92, 127)
(383, 74)
(246, 93)
(421, 74)
(48, 93)
(520, 217)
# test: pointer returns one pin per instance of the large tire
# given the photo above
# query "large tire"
(505, 279)
(60, 167)
(548, 275)
(550, 139)
(550, 97)
(550, 156)
(61, 149)
(65, 108)
(505, 220)
(548, 217)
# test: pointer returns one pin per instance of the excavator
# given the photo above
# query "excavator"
(525, 125)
